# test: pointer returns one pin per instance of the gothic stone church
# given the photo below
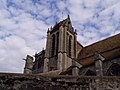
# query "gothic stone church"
(64, 55)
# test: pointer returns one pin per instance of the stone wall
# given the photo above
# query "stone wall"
(12, 81)
(106, 65)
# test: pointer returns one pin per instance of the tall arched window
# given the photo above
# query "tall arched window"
(53, 45)
(70, 45)
(57, 44)
(114, 70)
(67, 44)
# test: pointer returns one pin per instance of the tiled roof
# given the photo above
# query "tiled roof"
(109, 48)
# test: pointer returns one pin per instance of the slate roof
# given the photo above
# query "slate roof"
(109, 48)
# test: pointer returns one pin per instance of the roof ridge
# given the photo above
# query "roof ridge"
(108, 38)
(100, 46)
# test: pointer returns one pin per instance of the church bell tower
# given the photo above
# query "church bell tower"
(60, 46)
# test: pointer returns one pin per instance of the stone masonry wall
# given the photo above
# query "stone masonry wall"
(12, 81)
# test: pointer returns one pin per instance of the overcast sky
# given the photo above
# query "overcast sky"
(24, 23)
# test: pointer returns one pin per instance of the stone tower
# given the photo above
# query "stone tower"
(28, 65)
(60, 46)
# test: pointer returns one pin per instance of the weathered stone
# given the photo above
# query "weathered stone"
(14, 81)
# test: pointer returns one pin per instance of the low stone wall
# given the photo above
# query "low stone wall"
(12, 81)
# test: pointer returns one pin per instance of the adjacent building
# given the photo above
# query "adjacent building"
(66, 56)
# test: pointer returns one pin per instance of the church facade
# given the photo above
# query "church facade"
(64, 55)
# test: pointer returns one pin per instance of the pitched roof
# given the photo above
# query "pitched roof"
(104, 47)
(65, 22)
